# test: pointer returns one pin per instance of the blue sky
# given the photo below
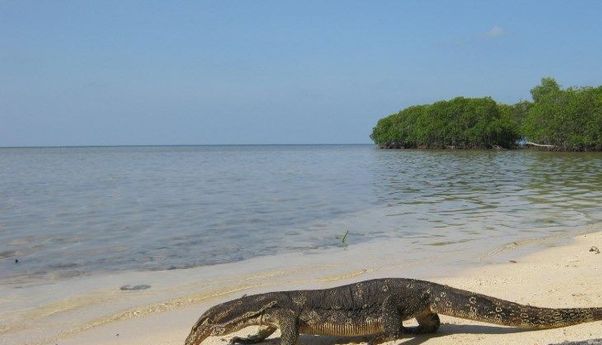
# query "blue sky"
(260, 72)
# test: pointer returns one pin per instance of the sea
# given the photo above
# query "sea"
(67, 212)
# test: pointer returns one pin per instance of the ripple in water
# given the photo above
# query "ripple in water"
(71, 211)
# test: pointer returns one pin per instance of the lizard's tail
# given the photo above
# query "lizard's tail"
(473, 306)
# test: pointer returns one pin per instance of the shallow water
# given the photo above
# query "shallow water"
(70, 211)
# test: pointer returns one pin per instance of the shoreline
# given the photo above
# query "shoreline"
(93, 310)
(562, 271)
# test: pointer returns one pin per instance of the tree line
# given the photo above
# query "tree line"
(560, 119)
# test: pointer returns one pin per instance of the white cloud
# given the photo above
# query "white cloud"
(495, 31)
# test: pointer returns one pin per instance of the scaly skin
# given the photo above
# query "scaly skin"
(374, 308)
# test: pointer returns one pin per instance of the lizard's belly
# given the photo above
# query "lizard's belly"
(346, 328)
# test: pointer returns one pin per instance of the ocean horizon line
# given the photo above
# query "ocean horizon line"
(176, 145)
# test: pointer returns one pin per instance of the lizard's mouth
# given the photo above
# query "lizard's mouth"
(196, 338)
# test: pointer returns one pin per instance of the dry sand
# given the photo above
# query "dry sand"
(560, 276)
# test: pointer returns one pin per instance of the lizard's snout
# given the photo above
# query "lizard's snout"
(196, 337)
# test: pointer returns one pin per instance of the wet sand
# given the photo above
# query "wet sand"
(94, 311)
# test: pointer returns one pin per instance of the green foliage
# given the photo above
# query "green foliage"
(548, 89)
(569, 119)
(458, 123)
(515, 114)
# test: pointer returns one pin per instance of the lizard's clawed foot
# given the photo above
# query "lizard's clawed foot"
(261, 335)
(245, 341)
(238, 340)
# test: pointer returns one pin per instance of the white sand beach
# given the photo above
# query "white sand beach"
(566, 275)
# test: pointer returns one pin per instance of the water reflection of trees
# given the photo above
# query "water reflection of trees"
(566, 182)
(511, 189)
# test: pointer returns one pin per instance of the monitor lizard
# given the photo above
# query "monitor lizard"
(374, 308)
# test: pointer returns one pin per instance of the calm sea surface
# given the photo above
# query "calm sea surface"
(71, 211)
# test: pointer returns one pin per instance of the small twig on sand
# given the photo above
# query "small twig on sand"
(343, 238)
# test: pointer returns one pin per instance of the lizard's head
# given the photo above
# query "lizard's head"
(230, 317)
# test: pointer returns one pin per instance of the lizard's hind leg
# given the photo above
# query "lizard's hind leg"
(427, 323)
(391, 323)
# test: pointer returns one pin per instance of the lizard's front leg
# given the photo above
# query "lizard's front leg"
(289, 328)
(264, 332)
